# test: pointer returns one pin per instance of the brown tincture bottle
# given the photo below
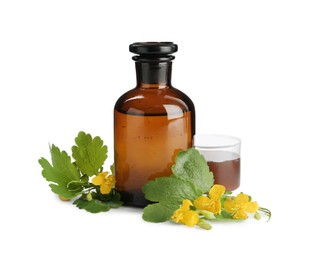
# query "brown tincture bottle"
(152, 122)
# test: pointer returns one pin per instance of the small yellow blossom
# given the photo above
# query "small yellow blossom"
(184, 215)
(105, 180)
(178, 214)
(240, 205)
(211, 203)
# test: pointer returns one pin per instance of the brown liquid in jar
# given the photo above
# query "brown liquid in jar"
(226, 173)
(146, 147)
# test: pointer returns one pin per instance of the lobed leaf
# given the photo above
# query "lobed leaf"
(97, 205)
(60, 173)
(89, 153)
(93, 206)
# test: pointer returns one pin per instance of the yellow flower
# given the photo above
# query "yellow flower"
(184, 215)
(240, 205)
(178, 214)
(211, 203)
(105, 180)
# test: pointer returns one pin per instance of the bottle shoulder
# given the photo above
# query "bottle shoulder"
(154, 101)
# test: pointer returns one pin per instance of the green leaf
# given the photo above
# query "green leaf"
(99, 202)
(191, 166)
(90, 153)
(75, 185)
(93, 206)
(60, 173)
(159, 212)
(170, 190)
(84, 179)
(97, 205)
(115, 201)
(63, 191)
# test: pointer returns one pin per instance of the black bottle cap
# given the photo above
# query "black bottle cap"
(153, 51)
(151, 48)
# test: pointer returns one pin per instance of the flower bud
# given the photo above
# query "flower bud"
(204, 224)
(89, 197)
(207, 214)
(257, 216)
(63, 198)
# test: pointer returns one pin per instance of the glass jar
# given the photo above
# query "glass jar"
(222, 154)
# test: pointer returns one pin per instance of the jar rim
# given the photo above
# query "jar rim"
(215, 141)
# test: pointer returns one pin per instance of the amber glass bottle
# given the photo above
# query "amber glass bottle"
(152, 122)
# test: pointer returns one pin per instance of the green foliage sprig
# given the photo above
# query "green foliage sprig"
(71, 178)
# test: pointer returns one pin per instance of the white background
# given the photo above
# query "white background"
(248, 67)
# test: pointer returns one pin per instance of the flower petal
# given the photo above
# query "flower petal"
(190, 218)
(177, 216)
(242, 199)
(217, 191)
(240, 214)
(214, 206)
(202, 202)
(111, 180)
(99, 179)
(105, 188)
(186, 205)
(230, 206)
(251, 207)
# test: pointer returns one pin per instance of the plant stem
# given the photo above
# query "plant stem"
(88, 189)
(267, 212)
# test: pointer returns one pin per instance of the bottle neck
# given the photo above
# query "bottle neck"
(153, 75)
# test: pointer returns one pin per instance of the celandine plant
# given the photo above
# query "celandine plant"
(189, 196)
(71, 178)
(186, 197)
